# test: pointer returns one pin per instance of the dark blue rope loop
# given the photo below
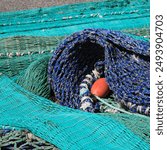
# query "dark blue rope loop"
(126, 67)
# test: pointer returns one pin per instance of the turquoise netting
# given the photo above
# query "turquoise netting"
(27, 39)
(66, 128)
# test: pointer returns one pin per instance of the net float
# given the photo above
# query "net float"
(100, 88)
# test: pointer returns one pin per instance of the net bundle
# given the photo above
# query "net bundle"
(28, 117)
(126, 63)
(62, 126)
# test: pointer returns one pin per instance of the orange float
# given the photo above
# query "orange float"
(100, 88)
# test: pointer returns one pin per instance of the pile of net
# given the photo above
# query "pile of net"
(52, 122)
(126, 68)
(64, 127)
(30, 115)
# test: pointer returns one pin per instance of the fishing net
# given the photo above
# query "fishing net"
(126, 63)
(22, 139)
(28, 117)
(58, 123)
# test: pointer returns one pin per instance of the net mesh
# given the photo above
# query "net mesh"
(64, 20)
(57, 123)
(23, 58)
(23, 139)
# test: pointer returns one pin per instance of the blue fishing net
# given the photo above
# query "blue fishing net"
(126, 63)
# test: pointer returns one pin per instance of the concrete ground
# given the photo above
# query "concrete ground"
(13, 5)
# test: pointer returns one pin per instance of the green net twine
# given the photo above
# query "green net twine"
(17, 53)
(23, 139)
(20, 54)
(35, 78)
(64, 127)
(64, 20)
(137, 124)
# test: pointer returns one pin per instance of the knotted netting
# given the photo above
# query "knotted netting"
(28, 39)
(126, 63)
(66, 128)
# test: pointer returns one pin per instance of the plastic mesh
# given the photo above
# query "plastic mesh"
(64, 20)
(55, 123)
(22, 139)
(126, 62)
(128, 16)
(138, 124)
(17, 53)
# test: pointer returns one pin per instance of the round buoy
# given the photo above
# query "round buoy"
(100, 88)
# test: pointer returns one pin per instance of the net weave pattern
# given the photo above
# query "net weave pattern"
(27, 39)
(126, 67)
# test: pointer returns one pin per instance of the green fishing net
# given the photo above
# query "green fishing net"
(27, 109)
